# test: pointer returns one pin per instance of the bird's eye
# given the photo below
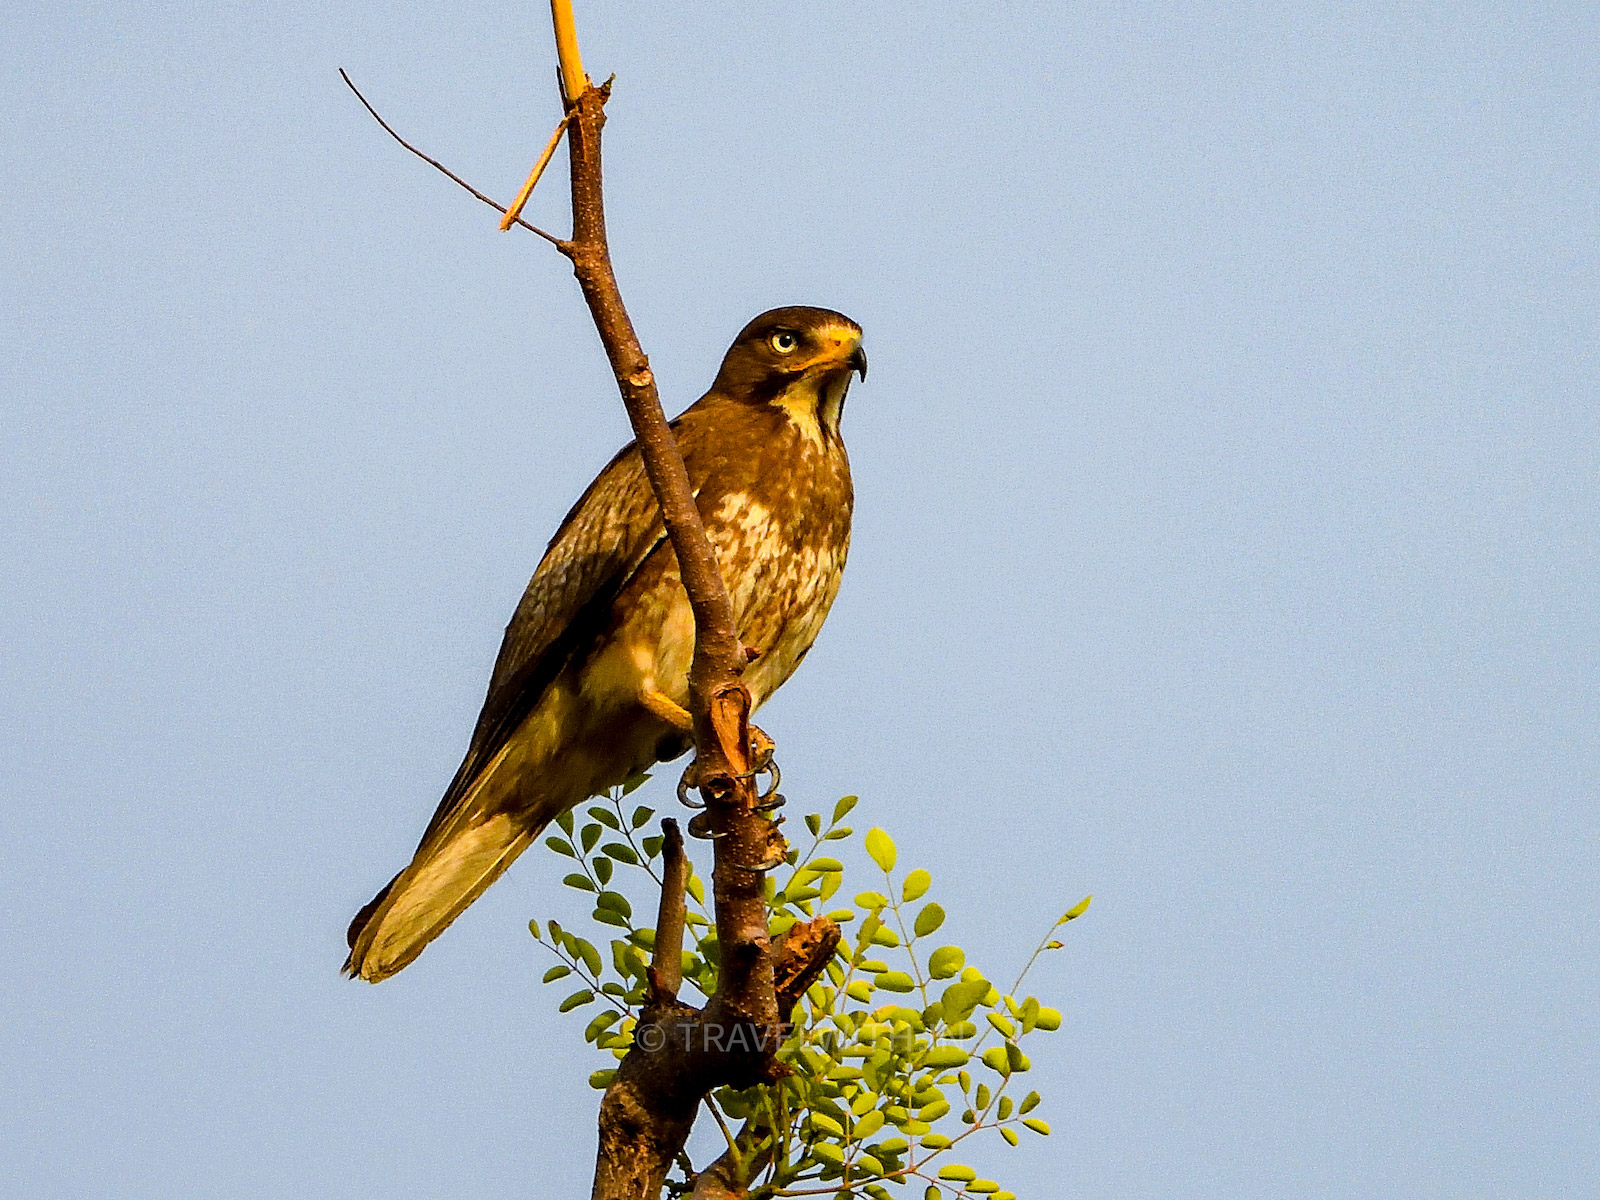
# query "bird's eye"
(784, 342)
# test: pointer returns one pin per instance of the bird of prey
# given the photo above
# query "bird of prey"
(591, 684)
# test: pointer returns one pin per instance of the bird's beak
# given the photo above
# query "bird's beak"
(858, 361)
(841, 347)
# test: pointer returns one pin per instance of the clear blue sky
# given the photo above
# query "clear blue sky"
(1228, 546)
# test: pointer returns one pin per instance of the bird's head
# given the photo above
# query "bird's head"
(801, 359)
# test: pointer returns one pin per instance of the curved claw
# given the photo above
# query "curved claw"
(771, 802)
(700, 827)
(686, 785)
(777, 777)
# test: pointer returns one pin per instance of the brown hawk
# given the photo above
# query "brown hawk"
(592, 680)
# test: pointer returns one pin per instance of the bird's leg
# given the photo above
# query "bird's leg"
(667, 709)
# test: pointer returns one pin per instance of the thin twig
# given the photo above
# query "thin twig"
(439, 166)
(515, 212)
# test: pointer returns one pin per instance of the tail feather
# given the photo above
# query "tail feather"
(421, 901)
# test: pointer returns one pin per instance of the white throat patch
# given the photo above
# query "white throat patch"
(813, 409)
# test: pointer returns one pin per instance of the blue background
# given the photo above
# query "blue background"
(1228, 482)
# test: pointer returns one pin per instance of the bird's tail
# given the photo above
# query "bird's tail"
(448, 873)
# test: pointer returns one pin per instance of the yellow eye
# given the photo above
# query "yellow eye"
(784, 342)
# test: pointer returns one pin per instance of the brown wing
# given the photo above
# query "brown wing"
(602, 541)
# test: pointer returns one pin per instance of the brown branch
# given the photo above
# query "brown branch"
(680, 1054)
(807, 950)
(666, 962)
(439, 166)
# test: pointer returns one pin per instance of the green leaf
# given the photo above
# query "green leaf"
(588, 836)
(826, 1124)
(1029, 1103)
(1010, 1136)
(565, 821)
(983, 1187)
(928, 920)
(869, 1124)
(641, 817)
(871, 900)
(1005, 1107)
(894, 981)
(842, 809)
(559, 971)
(884, 936)
(957, 1173)
(590, 956)
(859, 990)
(600, 1024)
(581, 882)
(1049, 1020)
(602, 869)
(634, 783)
(610, 916)
(533, 928)
(601, 1080)
(606, 817)
(623, 854)
(942, 1058)
(652, 845)
(935, 1141)
(1077, 910)
(995, 1059)
(1029, 1016)
(1037, 1126)
(839, 834)
(826, 866)
(881, 847)
(616, 902)
(561, 846)
(577, 1000)
(697, 889)
(916, 885)
(961, 998)
(814, 823)
(932, 1112)
(946, 962)
(1016, 1060)
(828, 1153)
(1003, 1024)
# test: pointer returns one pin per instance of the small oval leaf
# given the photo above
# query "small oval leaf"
(881, 847)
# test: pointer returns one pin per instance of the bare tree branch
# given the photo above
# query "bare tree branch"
(439, 166)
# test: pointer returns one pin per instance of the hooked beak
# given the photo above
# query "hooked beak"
(858, 361)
